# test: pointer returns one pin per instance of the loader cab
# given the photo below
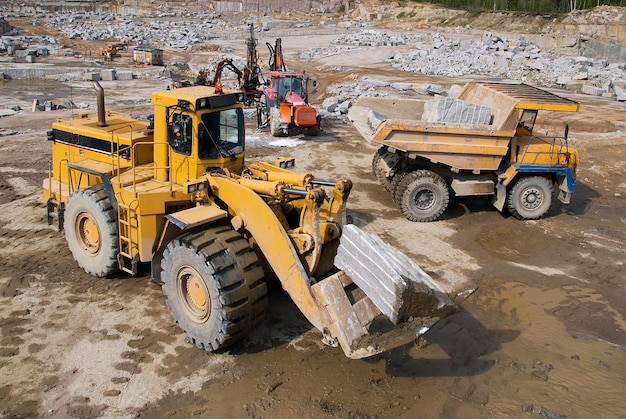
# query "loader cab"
(203, 130)
(206, 141)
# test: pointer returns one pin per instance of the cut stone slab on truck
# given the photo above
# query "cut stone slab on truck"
(481, 143)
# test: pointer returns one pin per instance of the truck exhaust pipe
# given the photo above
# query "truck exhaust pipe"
(100, 104)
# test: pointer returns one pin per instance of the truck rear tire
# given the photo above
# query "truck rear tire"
(378, 167)
(395, 183)
(91, 231)
(422, 196)
(530, 198)
(214, 286)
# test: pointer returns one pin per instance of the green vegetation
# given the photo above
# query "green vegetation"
(530, 6)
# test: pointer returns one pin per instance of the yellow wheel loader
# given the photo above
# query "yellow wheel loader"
(175, 192)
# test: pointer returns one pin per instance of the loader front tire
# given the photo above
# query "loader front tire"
(422, 196)
(214, 286)
(91, 231)
(530, 198)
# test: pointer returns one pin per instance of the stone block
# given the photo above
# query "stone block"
(395, 284)
(108, 74)
(91, 76)
(592, 90)
(456, 111)
(573, 85)
(124, 75)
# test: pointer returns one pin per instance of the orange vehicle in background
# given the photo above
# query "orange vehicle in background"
(112, 50)
(284, 106)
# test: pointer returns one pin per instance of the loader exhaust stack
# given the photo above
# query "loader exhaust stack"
(100, 104)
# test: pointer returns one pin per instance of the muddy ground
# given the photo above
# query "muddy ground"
(543, 336)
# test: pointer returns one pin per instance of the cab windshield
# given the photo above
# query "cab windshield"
(221, 134)
(285, 84)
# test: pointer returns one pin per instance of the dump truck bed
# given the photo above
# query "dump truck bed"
(470, 132)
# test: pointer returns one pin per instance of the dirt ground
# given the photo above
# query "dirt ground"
(543, 336)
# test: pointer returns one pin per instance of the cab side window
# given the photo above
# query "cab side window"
(527, 122)
(180, 133)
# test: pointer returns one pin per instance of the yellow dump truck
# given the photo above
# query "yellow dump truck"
(480, 143)
(176, 193)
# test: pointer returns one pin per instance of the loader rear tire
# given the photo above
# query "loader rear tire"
(91, 231)
(530, 198)
(423, 196)
(379, 168)
(214, 286)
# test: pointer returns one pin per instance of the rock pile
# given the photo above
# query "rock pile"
(517, 59)
(453, 55)
(176, 33)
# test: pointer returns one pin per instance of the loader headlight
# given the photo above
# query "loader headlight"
(285, 162)
(193, 187)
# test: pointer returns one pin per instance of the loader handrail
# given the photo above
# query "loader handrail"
(135, 168)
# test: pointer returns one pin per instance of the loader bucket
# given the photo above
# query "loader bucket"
(380, 299)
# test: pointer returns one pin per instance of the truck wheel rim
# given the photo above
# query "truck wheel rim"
(87, 233)
(531, 198)
(194, 294)
(424, 199)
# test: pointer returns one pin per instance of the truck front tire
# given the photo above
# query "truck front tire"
(91, 231)
(214, 286)
(422, 196)
(530, 198)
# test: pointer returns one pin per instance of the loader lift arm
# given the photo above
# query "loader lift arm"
(302, 257)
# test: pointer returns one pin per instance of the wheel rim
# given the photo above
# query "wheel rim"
(193, 294)
(531, 198)
(424, 199)
(88, 233)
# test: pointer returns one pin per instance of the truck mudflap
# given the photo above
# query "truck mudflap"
(380, 299)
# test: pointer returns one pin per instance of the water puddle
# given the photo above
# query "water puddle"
(542, 367)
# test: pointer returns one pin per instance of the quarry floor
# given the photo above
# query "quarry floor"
(544, 335)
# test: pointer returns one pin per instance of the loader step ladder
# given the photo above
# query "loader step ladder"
(128, 255)
(55, 210)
